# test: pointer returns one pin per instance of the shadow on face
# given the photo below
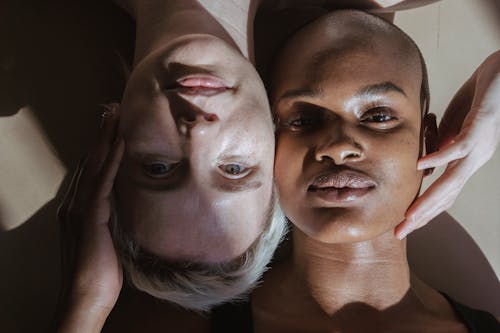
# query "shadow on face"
(347, 95)
(195, 183)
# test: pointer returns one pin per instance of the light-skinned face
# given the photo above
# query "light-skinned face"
(196, 180)
(347, 99)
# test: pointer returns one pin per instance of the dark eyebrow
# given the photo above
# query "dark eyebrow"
(298, 93)
(379, 88)
(372, 89)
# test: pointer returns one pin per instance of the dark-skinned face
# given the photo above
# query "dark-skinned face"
(348, 136)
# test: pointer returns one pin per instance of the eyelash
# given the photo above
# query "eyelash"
(305, 121)
(377, 116)
(378, 111)
(246, 171)
(170, 168)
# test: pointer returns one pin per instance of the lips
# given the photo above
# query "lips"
(202, 82)
(341, 187)
(205, 85)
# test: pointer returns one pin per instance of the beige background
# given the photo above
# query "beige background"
(455, 36)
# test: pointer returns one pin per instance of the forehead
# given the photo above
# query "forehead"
(313, 58)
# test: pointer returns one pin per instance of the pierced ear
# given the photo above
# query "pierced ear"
(430, 137)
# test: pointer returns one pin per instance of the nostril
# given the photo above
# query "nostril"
(210, 117)
(353, 155)
(188, 121)
(325, 158)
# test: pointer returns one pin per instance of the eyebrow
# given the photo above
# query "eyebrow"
(380, 88)
(234, 186)
(372, 89)
(301, 93)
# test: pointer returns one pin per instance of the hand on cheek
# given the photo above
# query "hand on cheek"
(93, 275)
(468, 138)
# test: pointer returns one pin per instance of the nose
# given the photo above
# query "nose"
(189, 120)
(339, 149)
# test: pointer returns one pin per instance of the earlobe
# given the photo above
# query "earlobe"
(430, 137)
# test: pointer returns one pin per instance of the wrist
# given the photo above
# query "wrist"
(82, 314)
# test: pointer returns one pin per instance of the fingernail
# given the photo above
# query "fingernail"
(422, 166)
(401, 234)
(108, 114)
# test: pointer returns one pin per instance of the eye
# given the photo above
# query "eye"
(303, 122)
(234, 170)
(379, 117)
(302, 117)
(159, 169)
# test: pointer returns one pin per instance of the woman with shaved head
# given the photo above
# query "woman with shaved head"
(351, 99)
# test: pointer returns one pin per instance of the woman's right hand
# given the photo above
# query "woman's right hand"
(92, 276)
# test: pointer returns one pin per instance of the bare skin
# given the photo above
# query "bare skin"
(241, 28)
(348, 272)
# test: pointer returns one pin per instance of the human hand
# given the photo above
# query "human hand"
(469, 133)
(89, 257)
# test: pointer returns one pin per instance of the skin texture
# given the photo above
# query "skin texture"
(93, 273)
(196, 178)
(83, 303)
(339, 122)
(348, 272)
(469, 134)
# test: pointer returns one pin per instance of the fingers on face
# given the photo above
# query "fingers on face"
(455, 150)
(105, 138)
(95, 174)
(110, 169)
(439, 197)
(63, 209)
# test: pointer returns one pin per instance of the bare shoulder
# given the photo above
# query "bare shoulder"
(383, 6)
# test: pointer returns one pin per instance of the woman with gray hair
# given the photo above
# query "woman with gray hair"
(193, 202)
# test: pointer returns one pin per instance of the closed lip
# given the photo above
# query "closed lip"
(341, 187)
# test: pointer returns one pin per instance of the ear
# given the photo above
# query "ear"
(430, 136)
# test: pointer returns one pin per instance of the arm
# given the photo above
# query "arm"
(95, 276)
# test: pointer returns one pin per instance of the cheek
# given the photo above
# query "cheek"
(400, 178)
(287, 172)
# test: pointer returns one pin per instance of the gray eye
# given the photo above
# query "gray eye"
(234, 170)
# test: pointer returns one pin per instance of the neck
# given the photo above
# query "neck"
(160, 22)
(373, 272)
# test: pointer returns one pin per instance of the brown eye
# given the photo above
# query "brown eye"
(301, 122)
(379, 116)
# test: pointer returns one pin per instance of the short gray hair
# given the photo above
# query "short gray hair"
(200, 286)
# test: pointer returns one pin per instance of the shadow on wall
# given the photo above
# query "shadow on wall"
(59, 60)
(444, 255)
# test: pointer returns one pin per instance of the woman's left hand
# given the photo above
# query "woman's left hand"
(468, 136)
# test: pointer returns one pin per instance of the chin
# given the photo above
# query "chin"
(344, 229)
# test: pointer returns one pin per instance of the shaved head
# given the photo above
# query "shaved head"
(336, 36)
